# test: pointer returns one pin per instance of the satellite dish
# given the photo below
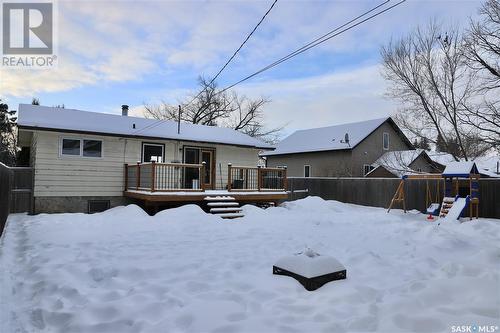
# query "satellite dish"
(346, 139)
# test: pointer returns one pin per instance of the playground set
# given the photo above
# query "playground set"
(461, 191)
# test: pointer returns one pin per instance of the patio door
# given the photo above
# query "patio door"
(207, 156)
(195, 155)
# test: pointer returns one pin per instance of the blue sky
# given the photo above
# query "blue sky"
(135, 52)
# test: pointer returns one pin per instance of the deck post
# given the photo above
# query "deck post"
(229, 166)
(285, 179)
(138, 178)
(259, 178)
(202, 175)
(126, 176)
(153, 175)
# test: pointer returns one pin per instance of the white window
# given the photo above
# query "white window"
(307, 171)
(385, 141)
(81, 147)
(367, 168)
(153, 152)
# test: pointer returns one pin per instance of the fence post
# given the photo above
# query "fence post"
(138, 174)
(153, 175)
(202, 175)
(259, 178)
(229, 168)
(126, 177)
(285, 178)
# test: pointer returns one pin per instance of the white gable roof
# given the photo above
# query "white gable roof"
(398, 162)
(326, 138)
(42, 117)
(460, 168)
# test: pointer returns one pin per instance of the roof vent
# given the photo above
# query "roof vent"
(125, 110)
(346, 139)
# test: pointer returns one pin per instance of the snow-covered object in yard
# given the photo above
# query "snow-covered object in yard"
(456, 209)
(311, 269)
(460, 169)
(183, 270)
(43, 117)
(328, 138)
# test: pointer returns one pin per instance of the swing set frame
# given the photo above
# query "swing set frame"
(399, 195)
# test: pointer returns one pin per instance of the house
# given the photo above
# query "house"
(346, 150)
(83, 160)
(488, 166)
(395, 164)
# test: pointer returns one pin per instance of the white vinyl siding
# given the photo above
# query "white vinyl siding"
(57, 175)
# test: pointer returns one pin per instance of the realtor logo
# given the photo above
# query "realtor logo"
(28, 29)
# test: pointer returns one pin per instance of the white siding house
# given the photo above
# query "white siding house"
(79, 156)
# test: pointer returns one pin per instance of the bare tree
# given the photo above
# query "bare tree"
(482, 50)
(430, 77)
(213, 107)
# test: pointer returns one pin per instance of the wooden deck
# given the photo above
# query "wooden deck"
(194, 197)
(165, 183)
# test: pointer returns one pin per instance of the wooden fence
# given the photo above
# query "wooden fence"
(16, 191)
(378, 192)
(241, 178)
(6, 176)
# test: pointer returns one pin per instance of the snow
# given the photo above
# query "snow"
(187, 271)
(459, 168)
(326, 138)
(104, 123)
(455, 210)
(310, 264)
(397, 162)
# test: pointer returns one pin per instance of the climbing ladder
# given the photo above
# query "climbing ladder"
(446, 206)
(224, 206)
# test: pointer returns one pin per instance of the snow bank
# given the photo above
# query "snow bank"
(185, 271)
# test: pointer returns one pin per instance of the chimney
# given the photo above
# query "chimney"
(125, 110)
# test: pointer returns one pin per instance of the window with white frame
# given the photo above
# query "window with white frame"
(367, 168)
(307, 171)
(81, 147)
(153, 152)
(385, 141)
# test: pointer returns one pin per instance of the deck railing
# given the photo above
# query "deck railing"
(256, 179)
(164, 177)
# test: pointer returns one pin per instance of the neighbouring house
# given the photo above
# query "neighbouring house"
(85, 160)
(488, 166)
(395, 164)
(346, 150)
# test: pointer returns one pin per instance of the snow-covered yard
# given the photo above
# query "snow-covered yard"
(185, 271)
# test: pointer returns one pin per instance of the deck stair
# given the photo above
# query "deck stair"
(224, 206)
(446, 206)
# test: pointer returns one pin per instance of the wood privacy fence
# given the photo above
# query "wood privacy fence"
(378, 192)
(16, 192)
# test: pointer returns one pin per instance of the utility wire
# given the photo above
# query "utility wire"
(317, 42)
(235, 52)
(223, 67)
(333, 33)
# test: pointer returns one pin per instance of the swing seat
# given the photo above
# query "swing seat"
(433, 208)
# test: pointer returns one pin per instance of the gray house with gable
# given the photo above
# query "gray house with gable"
(346, 150)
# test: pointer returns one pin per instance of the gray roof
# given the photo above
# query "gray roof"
(59, 119)
(327, 138)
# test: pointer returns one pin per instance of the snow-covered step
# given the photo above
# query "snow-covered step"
(225, 210)
(231, 215)
(220, 198)
(223, 204)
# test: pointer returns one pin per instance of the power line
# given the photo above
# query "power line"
(333, 33)
(225, 65)
(235, 52)
(317, 41)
